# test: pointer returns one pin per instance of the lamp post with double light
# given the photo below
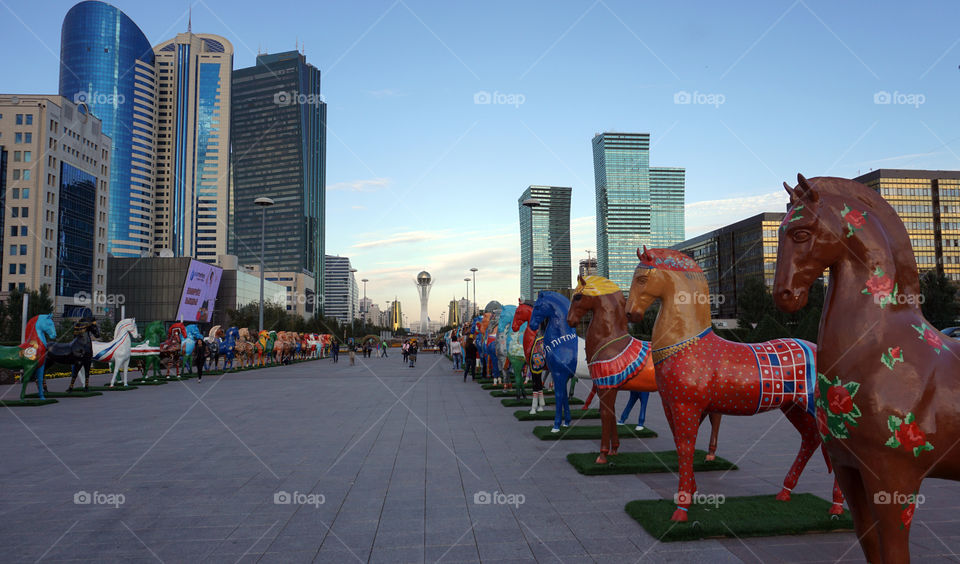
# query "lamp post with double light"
(264, 203)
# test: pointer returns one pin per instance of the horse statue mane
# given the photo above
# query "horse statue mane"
(668, 259)
(177, 328)
(591, 285)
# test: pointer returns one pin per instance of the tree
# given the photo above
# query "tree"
(939, 304)
(39, 302)
(753, 303)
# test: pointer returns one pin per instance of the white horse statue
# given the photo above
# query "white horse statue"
(118, 351)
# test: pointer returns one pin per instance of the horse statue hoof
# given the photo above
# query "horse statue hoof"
(784, 495)
(554, 430)
(601, 459)
(836, 510)
(679, 516)
(709, 458)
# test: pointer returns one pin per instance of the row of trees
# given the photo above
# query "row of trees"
(277, 318)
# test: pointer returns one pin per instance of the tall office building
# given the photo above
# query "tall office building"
(107, 63)
(928, 202)
(191, 202)
(396, 316)
(731, 255)
(544, 240)
(340, 290)
(278, 131)
(56, 187)
(636, 204)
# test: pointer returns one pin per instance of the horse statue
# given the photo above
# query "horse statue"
(227, 347)
(214, 340)
(30, 355)
(521, 318)
(149, 349)
(510, 349)
(77, 353)
(187, 344)
(699, 373)
(245, 348)
(561, 348)
(886, 404)
(490, 341)
(170, 350)
(119, 351)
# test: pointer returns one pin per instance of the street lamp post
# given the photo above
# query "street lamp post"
(264, 203)
(349, 293)
(474, 271)
(467, 295)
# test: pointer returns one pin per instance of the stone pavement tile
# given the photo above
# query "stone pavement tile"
(608, 545)
(497, 552)
(451, 553)
(295, 543)
(393, 539)
(358, 541)
(181, 551)
(245, 545)
(340, 556)
(402, 555)
(287, 557)
(558, 550)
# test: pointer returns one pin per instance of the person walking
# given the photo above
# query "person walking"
(405, 349)
(384, 354)
(200, 357)
(335, 351)
(470, 360)
(413, 354)
(456, 352)
(352, 349)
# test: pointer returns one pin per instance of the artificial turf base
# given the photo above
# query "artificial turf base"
(592, 432)
(150, 382)
(547, 414)
(513, 393)
(26, 402)
(77, 394)
(643, 463)
(111, 389)
(513, 402)
(737, 517)
(484, 381)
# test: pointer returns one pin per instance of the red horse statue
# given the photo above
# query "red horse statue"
(700, 373)
(888, 393)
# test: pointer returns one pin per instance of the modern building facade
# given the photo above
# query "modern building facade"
(107, 63)
(588, 267)
(636, 205)
(544, 240)
(340, 290)
(55, 201)
(192, 197)
(928, 202)
(278, 132)
(731, 255)
(298, 286)
(396, 316)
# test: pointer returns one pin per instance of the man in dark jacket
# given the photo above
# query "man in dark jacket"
(199, 357)
(470, 360)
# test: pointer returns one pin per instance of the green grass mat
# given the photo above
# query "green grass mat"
(738, 517)
(643, 462)
(26, 402)
(117, 388)
(149, 382)
(588, 432)
(77, 394)
(484, 381)
(513, 402)
(513, 393)
(547, 414)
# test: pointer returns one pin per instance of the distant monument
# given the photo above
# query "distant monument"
(424, 282)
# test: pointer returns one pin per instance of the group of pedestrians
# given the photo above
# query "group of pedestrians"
(464, 354)
(409, 350)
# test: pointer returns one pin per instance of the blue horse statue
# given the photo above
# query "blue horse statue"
(227, 345)
(187, 346)
(561, 348)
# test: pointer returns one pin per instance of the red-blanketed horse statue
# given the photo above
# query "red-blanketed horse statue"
(699, 373)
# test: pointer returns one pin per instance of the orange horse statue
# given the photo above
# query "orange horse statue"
(888, 392)
(699, 373)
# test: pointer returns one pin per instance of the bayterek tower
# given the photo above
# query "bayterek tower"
(424, 282)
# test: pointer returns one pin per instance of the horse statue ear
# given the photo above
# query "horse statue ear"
(580, 280)
(807, 189)
(792, 192)
(644, 256)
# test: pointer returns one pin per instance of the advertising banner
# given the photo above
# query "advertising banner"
(199, 292)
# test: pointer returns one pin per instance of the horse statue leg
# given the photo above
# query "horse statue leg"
(559, 399)
(714, 433)
(589, 400)
(609, 440)
(682, 417)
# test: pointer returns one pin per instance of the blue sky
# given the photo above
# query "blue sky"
(421, 177)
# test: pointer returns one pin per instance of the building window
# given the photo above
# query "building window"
(16, 174)
(18, 137)
(16, 156)
(26, 174)
(13, 268)
(14, 212)
(13, 230)
(26, 156)
(23, 230)
(13, 250)
(19, 119)
(23, 250)
(24, 212)
(26, 191)
(15, 194)
(29, 119)
(28, 137)
(23, 268)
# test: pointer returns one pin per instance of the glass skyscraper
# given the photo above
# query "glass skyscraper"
(544, 240)
(636, 205)
(107, 63)
(193, 145)
(279, 140)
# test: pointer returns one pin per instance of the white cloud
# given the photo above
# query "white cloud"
(708, 215)
(384, 93)
(364, 185)
(398, 238)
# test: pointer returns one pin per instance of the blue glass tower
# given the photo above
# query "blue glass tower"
(107, 62)
(544, 240)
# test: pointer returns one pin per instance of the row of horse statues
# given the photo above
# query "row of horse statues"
(878, 393)
(172, 349)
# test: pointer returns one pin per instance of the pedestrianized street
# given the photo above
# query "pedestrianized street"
(377, 462)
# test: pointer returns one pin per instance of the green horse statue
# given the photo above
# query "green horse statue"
(30, 355)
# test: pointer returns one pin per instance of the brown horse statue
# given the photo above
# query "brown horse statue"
(170, 349)
(244, 348)
(700, 373)
(889, 389)
(617, 361)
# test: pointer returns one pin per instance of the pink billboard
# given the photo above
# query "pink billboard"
(199, 292)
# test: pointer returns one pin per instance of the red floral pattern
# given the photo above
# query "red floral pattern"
(907, 434)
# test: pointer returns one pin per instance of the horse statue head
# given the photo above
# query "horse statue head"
(42, 326)
(590, 293)
(86, 325)
(676, 280)
(177, 330)
(126, 326)
(154, 333)
(193, 331)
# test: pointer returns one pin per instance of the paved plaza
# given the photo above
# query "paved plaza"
(378, 462)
